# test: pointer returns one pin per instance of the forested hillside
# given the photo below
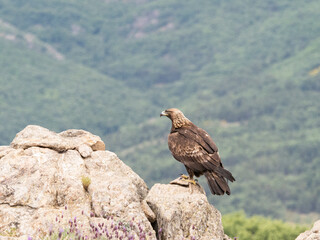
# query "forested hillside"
(246, 71)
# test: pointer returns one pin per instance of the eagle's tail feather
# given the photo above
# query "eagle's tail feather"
(218, 185)
(225, 173)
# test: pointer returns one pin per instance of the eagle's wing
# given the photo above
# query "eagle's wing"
(201, 137)
(196, 150)
(189, 147)
(205, 139)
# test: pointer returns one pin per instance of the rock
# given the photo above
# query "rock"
(179, 181)
(41, 186)
(115, 189)
(67, 181)
(182, 215)
(85, 150)
(148, 212)
(79, 137)
(36, 136)
(4, 150)
(313, 234)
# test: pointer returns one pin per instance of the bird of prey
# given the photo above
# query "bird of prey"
(193, 147)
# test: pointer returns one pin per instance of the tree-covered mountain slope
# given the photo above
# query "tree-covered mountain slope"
(248, 72)
(36, 88)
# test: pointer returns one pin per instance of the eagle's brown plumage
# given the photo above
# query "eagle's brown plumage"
(193, 147)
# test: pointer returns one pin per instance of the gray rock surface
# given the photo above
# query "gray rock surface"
(313, 234)
(41, 181)
(51, 181)
(36, 136)
(184, 215)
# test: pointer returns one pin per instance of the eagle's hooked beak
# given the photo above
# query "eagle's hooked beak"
(163, 113)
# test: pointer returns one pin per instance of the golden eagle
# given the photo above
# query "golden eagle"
(193, 147)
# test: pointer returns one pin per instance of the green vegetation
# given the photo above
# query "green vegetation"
(86, 181)
(246, 71)
(10, 233)
(258, 228)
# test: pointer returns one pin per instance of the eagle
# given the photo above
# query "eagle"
(193, 147)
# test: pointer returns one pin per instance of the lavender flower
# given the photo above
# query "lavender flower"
(112, 229)
(60, 233)
(50, 230)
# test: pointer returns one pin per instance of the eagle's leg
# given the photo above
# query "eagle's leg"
(190, 179)
(191, 175)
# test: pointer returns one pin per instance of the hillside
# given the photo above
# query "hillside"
(247, 72)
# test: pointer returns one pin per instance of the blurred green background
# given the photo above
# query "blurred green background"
(246, 71)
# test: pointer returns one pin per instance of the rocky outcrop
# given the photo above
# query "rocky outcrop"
(181, 214)
(41, 179)
(68, 184)
(36, 136)
(313, 234)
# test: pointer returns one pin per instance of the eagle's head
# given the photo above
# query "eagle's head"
(177, 117)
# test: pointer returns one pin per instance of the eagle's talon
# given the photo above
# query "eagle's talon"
(191, 181)
(184, 177)
(188, 180)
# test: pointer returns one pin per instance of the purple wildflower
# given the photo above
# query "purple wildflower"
(60, 233)
(50, 230)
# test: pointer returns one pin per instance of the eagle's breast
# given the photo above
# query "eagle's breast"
(183, 149)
